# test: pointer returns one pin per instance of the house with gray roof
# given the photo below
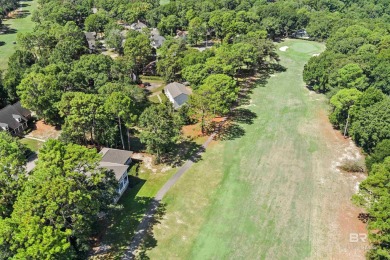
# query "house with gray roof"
(91, 39)
(177, 94)
(138, 26)
(118, 162)
(156, 39)
(14, 118)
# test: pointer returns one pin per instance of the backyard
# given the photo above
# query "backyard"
(21, 22)
(273, 189)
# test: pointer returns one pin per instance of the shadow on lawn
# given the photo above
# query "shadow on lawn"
(185, 150)
(115, 232)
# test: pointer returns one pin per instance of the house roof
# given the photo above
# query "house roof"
(138, 26)
(157, 40)
(176, 89)
(115, 160)
(22, 111)
(90, 36)
(117, 169)
(178, 92)
(10, 114)
(115, 155)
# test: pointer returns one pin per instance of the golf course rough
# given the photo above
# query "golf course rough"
(274, 192)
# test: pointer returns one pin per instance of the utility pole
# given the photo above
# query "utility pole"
(346, 126)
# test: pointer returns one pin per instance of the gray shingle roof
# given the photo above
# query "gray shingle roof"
(138, 26)
(118, 170)
(10, 114)
(115, 155)
(115, 160)
(179, 93)
(176, 89)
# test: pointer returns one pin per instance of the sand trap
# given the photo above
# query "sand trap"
(284, 48)
(316, 55)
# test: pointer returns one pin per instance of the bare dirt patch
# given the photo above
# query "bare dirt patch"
(338, 234)
(44, 131)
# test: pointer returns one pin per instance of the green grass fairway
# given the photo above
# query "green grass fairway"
(270, 194)
(16, 25)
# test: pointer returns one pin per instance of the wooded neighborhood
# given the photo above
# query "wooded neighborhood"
(107, 104)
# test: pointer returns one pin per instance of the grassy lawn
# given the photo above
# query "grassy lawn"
(164, 2)
(269, 192)
(144, 184)
(154, 99)
(32, 144)
(16, 25)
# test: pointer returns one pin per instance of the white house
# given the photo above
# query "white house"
(177, 94)
(117, 161)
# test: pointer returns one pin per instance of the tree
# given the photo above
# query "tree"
(222, 91)
(169, 25)
(18, 63)
(12, 173)
(160, 128)
(169, 59)
(196, 30)
(342, 103)
(85, 118)
(200, 105)
(114, 39)
(195, 74)
(371, 125)
(137, 47)
(39, 93)
(380, 152)
(121, 106)
(96, 22)
(351, 76)
(374, 196)
(53, 216)
(91, 72)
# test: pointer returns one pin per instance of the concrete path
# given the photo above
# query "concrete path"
(159, 98)
(34, 138)
(31, 162)
(147, 220)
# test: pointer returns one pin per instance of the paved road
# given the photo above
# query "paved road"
(147, 220)
(31, 162)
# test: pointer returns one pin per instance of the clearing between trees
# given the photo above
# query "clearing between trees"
(276, 191)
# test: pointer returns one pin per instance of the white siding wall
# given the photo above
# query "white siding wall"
(169, 96)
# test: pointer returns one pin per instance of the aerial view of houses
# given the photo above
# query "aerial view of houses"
(183, 129)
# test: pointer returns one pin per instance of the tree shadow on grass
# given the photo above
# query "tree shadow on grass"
(243, 116)
(230, 131)
(8, 30)
(117, 230)
(185, 150)
(149, 241)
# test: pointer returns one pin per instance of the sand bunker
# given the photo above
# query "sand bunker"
(284, 48)
(316, 55)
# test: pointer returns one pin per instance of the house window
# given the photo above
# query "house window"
(120, 186)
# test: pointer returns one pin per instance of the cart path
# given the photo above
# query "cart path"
(154, 205)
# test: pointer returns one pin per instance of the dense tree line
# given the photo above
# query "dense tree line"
(50, 212)
(7, 6)
(354, 73)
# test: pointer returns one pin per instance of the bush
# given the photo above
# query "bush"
(352, 166)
